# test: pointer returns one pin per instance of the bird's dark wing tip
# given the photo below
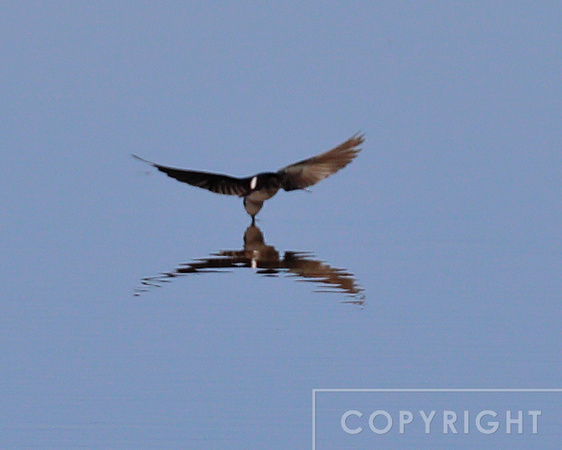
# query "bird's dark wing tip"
(359, 137)
(142, 159)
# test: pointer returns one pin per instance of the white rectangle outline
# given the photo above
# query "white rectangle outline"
(314, 391)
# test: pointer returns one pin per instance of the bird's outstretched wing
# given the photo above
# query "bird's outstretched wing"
(214, 182)
(312, 170)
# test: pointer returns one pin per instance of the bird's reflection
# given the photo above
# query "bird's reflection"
(266, 260)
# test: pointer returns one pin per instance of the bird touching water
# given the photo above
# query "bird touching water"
(261, 187)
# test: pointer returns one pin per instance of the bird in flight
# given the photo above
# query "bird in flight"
(262, 186)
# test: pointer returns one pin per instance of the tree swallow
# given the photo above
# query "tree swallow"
(262, 186)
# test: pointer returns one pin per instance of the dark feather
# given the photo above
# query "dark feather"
(312, 170)
(214, 182)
